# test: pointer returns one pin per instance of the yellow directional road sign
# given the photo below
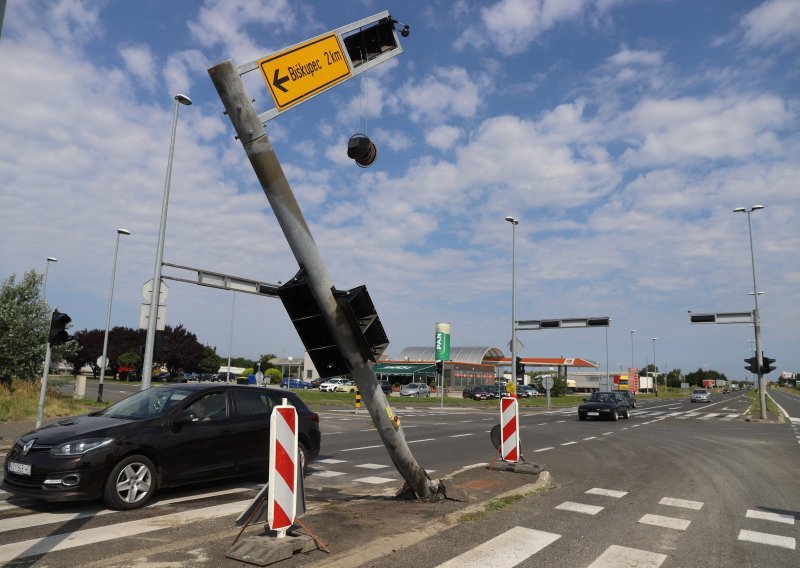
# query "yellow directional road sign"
(301, 71)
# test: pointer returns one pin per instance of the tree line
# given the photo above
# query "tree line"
(25, 321)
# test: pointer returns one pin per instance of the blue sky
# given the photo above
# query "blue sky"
(621, 134)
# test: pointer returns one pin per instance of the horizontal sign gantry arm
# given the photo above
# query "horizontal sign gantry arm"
(602, 321)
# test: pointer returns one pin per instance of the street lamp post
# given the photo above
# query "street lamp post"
(762, 398)
(514, 224)
(655, 370)
(147, 365)
(46, 270)
(104, 362)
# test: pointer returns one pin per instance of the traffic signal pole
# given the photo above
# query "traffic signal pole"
(250, 132)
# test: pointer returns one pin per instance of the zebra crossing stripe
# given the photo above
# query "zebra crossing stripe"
(770, 539)
(665, 522)
(504, 551)
(616, 556)
(767, 516)
(607, 492)
(579, 508)
(38, 546)
(709, 416)
(683, 503)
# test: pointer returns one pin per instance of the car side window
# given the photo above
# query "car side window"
(213, 406)
(252, 402)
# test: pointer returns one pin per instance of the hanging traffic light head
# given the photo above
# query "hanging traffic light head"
(58, 331)
(361, 149)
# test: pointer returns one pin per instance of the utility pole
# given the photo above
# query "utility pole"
(250, 132)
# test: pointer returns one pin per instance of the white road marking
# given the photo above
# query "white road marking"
(665, 522)
(709, 416)
(590, 438)
(461, 435)
(621, 556)
(767, 516)
(770, 539)
(37, 546)
(683, 503)
(361, 448)
(579, 508)
(504, 551)
(372, 465)
(544, 449)
(329, 460)
(374, 480)
(568, 443)
(607, 492)
(607, 433)
(327, 473)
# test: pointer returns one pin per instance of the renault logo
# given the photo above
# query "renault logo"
(27, 447)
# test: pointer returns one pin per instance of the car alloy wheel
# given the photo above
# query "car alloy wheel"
(614, 415)
(130, 484)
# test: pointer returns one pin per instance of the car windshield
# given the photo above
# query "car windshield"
(699, 392)
(601, 397)
(149, 403)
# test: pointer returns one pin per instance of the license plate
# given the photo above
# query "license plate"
(19, 468)
(593, 414)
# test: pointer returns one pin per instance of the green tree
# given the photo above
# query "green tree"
(24, 321)
(272, 376)
(209, 362)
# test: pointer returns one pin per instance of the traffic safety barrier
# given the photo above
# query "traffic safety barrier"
(283, 469)
(358, 400)
(509, 429)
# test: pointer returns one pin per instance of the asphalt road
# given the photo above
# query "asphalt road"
(683, 484)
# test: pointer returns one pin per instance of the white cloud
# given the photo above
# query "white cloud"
(627, 57)
(448, 92)
(443, 136)
(140, 63)
(772, 23)
(181, 68)
(690, 128)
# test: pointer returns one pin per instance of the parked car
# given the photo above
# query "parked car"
(497, 391)
(700, 395)
(601, 404)
(287, 382)
(385, 385)
(526, 391)
(225, 377)
(347, 386)
(476, 392)
(630, 397)
(160, 437)
(331, 384)
(415, 389)
(315, 383)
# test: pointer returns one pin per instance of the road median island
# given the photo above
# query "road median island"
(360, 529)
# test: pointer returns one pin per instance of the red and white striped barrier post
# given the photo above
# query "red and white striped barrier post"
(509, 429)
(281, 498)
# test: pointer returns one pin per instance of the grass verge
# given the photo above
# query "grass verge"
(20, 402)
(491, 507)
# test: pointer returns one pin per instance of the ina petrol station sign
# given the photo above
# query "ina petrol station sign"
(301, 71)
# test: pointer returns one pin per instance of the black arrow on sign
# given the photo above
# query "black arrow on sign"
(278, 82)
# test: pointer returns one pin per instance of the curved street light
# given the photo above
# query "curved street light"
(147, 364)
(514, 224)
(104, 361)
(762, 396)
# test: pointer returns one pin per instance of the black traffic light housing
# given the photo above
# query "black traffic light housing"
(361, 149)
(160, 344)
(58, 328)
(767, 366)
(752, 365)
(439, 367)
(520, 367)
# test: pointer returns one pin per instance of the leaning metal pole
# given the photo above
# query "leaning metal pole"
(250, 131)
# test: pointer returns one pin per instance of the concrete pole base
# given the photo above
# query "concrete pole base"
(266, 549)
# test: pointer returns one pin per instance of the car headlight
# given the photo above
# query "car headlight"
(79, 447)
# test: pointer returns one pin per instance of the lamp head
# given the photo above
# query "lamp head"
(52, 259)
(756, 207)
(511, 220)
(123, 231)
(183, 99)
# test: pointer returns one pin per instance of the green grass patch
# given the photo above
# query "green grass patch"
(491, 507)
(20, 402)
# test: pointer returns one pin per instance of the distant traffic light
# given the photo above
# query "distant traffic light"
(58, 328)
(520, 367)
(767, 367)
(439, 367)
(752, 365)
(361, 149)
